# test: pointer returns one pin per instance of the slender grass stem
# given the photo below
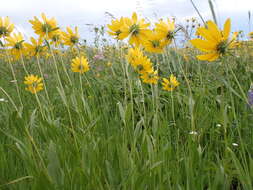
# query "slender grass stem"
(43, 78)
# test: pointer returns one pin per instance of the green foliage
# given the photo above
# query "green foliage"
(107, 130)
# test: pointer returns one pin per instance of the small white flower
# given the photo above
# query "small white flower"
(235, 144)
(3, 100)
(193, 133)
(218, 125)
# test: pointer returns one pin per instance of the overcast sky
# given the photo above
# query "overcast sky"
(82, 12)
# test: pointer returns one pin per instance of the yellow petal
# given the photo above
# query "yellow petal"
(208, 57)
(215, 30)
(123, 35)
(227, 27)
(206, 34)
(69, 30)
(134, 17)
(203, 45)
(44, 17)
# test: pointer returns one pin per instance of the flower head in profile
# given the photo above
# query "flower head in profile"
(154, 43)
(165, 30)
(70, 38)
(45, 28)
(170, 84)
(15, 44)
(136, 30)
(6, 27)
(139, 62)
(56, 38)
(142, 65)
(250, 35)
(133, 55)
(215, 42)
(115, 27)
(34, 83)
(35, 48)
(80, 65)
(150, 77)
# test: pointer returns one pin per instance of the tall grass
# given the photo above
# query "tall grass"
(108, 130)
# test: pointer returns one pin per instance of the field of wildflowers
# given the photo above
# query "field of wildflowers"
(165, 106)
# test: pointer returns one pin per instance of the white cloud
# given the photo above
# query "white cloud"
(81, 12)
(235, 5)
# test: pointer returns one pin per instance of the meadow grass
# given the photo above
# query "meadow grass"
(108, 130)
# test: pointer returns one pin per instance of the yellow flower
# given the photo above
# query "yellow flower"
(150, 77)
(170, 84)
(56, 38)
(80, 65)
(6, 27)
(34, 83)
(165, 30)
(15, 42)
(133, 54)
(46, 28)
(109, 64)
(70, 38)
(137, 30)
(115, 27)
(47, 55)
(216, 42)
(139, 62)
(154, 43)
(250, 35)
(36, 47)
(145, 66)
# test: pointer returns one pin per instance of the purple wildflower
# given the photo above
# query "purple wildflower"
(250, 97)
(98, 56)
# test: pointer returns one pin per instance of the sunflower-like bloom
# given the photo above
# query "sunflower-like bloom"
(137, 30)
(138, 61)
(36, 47)
(216, 42)
(250, 35)
(155, 43)
(170, 84)
(150, 77)
(45, 28)
(15, 42)
(6, 27)
(70, 38)
(80, 65)
(165, 30)
(34, 83)
(143, 65)
(115, 27)
(57, 38)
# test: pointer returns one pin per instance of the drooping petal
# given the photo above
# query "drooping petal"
(208, 57)
(123, 35)
(203, 45)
